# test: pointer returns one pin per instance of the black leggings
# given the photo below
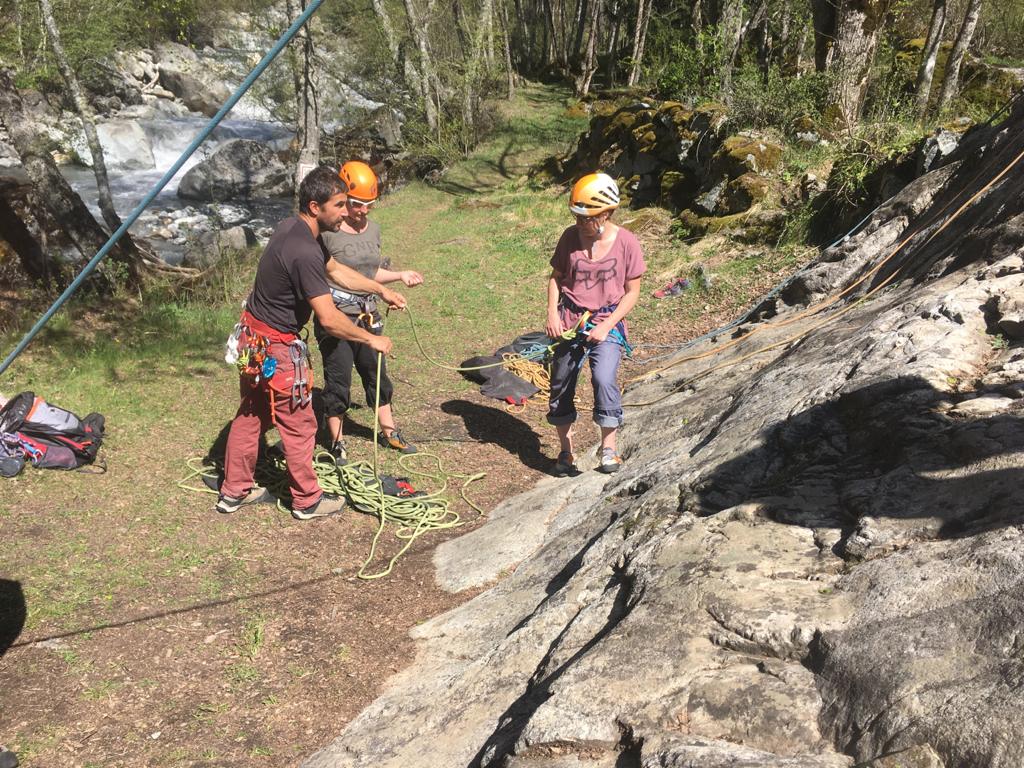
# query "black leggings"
(338, 356)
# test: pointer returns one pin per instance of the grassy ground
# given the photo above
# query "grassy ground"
(161, 633)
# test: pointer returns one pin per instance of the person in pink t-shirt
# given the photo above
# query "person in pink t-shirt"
(596, 268)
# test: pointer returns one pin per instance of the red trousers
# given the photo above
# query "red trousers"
(295, 423)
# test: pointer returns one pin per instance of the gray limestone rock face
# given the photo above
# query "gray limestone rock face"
(813, 556)
(239, 169)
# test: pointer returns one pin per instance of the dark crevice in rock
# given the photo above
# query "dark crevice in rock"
(630, 748)
(514, 719)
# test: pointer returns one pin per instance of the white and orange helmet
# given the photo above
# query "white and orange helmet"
(593, 194)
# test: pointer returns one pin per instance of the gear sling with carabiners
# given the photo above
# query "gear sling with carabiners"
(255, 360)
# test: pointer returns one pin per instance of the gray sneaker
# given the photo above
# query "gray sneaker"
(327, 505)
(611, 462)
(256, 495)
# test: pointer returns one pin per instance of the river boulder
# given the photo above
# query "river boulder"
(239, 169)
(199, 86)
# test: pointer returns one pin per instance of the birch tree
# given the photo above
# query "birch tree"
(951, 80)
(926, 71)
(85, 113)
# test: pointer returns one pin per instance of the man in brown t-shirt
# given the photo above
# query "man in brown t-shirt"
(290, 286)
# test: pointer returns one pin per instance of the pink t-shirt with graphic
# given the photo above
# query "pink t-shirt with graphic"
(596, 284)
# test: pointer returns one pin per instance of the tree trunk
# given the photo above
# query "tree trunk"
(62, 202)
(510, 71)
(428, 78)
(460, 27)
(923, 86)
(552, 37)
(798, 63)
(404, 66)
(643, 13)
(779, 53)
(730, 27)
(307, 109)
(99, 164)
(589, 65)
(579, 26)
(611, 52)
(35, 262)
(18, 22)
(951, 81)
(857, 31)
(823, 19)
(527, 57)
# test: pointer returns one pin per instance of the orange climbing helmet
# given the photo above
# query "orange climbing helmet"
(593, 194)
(360, 180)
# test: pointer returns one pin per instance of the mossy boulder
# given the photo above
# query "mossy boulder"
(645, 136)
(709, 117)
(745, 153)
(678, 188)
(603, 109)
(758, 227)
(652, 221)
(989, 87)
(744, 192)
(621, 124)
(578, 109)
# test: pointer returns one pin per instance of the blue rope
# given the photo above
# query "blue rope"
(214, 121)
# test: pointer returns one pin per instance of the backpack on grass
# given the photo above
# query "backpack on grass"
(49, 437)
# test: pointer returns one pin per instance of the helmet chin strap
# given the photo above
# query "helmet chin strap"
(600, 229)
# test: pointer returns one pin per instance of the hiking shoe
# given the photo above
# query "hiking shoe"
(256, 495)
(327, 505)
(610, 461)
(565, 465)
(337, 450)
(396, 441)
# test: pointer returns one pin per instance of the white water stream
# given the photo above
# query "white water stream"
(166, 138)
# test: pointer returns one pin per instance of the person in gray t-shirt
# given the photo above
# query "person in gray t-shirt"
(357, 244)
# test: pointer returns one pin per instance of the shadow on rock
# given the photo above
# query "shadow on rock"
(12, 613)
(892, 462)
(493, 425)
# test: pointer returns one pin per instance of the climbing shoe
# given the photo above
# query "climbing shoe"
(327, 505)
(565, 465)
(337, 450)
(396, 441)
(256, 495)
(610, 461)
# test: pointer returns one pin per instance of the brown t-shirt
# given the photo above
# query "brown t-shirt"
(290, 273)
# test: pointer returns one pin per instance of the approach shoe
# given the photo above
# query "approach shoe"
(337, 450)
(565, 465)
(610, 461)
(328, 504)
(256, 495)
(396, 441)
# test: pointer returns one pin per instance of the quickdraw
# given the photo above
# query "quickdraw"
(301, 385)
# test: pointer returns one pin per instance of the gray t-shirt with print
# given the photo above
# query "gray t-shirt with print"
(360, 251)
